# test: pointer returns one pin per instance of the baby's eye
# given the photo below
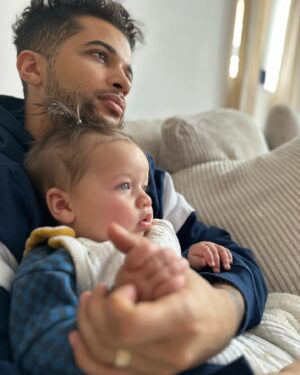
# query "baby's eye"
(145, 187)
(124, 186)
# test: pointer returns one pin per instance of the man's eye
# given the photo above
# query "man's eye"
(125, 186)
(101, 55)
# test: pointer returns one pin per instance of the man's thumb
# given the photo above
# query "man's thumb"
(122, 238)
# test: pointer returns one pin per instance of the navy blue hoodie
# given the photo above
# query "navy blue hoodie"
(20, 212)
(19, 209)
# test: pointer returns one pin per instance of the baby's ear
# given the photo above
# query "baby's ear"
(59, 206)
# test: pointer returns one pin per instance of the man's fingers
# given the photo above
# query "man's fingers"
(122, 238)
(138, 256)
(82, 357)
(87, 363)
(137, 248)
(169, 286)
(93, 336)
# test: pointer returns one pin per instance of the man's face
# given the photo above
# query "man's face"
(93, 64)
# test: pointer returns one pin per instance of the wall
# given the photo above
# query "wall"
(9, 79)
(180, 69)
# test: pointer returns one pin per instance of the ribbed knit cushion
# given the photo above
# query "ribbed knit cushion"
(146, 133)
(223, 134)
(282, 125)
(256, 200)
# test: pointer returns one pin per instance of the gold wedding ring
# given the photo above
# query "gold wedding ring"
(122, 358)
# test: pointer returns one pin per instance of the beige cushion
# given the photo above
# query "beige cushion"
(283, 124)
(216, 135)
(256, 200)
(147, 133)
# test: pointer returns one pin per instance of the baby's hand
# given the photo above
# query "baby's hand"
(204, 254)
(162, 273)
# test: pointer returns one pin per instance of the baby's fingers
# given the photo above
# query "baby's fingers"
(225, 256)
(214, 250)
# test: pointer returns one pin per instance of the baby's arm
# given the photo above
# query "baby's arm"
(204, 254)
(43, 312)
(161, 272)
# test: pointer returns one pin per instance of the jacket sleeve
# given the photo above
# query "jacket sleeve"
(245, 274)
(18, 215)
(19, 212)
(8, 266)
(43, 312)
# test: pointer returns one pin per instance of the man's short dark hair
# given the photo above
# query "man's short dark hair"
(45, 24)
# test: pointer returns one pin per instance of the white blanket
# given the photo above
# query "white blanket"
(275, 343)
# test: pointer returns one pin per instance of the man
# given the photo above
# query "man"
(80, 50)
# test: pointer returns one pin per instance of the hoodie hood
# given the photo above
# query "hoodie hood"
(14, 138)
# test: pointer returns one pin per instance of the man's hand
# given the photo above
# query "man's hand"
(166, 336)
(162, 273)
(292, 369)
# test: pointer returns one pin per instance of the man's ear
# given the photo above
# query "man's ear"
(59, 206)
(31, 66)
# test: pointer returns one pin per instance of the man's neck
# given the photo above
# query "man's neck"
(36, 122)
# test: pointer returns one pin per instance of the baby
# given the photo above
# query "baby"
(90, 180)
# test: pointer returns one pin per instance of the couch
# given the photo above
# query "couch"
(246, 180)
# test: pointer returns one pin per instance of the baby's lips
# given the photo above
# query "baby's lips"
(146, 222)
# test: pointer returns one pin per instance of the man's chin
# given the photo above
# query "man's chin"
(112, 120)
(90, 110)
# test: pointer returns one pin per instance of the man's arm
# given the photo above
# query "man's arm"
(179, 331)
(244, 275)
(292, 369)
(17, 214)
(236, 299)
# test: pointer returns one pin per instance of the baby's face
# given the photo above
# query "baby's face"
(113, 189)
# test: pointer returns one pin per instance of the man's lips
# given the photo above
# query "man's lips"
(113, 102)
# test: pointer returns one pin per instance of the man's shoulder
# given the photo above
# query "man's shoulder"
(13, 174)
(14, 138)
(10, 104)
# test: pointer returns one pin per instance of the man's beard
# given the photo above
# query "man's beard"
(61, 102)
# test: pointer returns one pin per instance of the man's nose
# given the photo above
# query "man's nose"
(119, 80)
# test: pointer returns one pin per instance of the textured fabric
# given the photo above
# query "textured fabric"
(256, 200)
(275, 343)
(282, 125)
(19, 210)
(217, 135)
(238, 367)
(43, 235)
(162, 233)
(8, 267)
(5, 353)
(39, 335)
(146, 133)
(175, 207)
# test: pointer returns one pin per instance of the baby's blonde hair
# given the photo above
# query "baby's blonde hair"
(61, 159)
